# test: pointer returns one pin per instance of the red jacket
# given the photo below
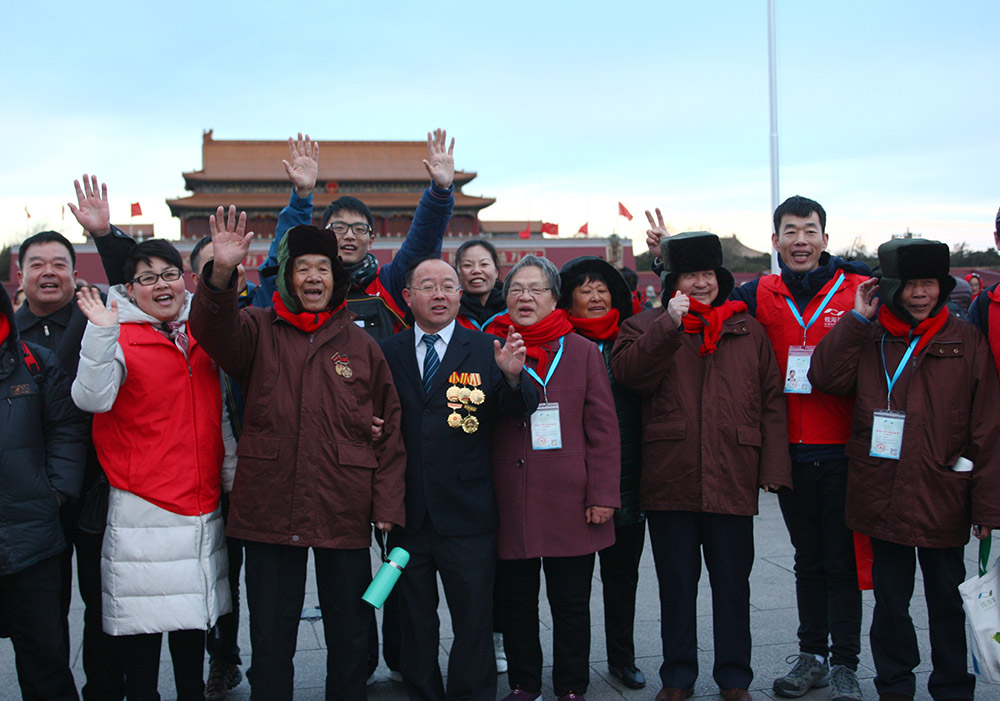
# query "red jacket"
(162, 439)
(817, 418)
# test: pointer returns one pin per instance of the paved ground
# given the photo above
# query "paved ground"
(773, 620)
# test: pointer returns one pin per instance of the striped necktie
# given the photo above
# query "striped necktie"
(431, 360)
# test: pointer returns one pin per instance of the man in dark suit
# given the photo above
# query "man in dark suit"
(451, 381)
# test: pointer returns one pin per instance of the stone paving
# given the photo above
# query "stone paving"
(773, 621)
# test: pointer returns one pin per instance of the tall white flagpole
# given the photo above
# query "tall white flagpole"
(773, 84)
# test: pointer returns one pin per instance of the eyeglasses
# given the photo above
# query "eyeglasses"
(340, 228)
(147, 279)
(517, 291)
(447, 288)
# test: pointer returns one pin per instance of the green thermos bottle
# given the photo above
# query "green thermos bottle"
(386, 577)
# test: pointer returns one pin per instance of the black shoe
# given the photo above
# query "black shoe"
(630, 676)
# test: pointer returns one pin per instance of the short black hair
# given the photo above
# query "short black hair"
(348, 204)
(799, 206)
(490, 248)
(196, 254)
(631, 278)
(44, 237)
(413, 268)
(146, 251)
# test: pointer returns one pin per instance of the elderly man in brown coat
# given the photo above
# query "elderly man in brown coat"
(715, 433)
(921, 467)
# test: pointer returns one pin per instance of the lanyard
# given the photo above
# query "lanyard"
(899, 368)
(819, 309)
(486, 323)
(552, 369)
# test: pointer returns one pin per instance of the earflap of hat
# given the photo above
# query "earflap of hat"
(692, 251)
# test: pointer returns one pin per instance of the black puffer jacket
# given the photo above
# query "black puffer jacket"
(43, 447)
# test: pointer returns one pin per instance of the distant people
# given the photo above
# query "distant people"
(922, 464)
(960, 298)
(478, 265)
(702, 468)
(985, 309)
(310, 474)
(598, 300)
(18, 298)
(975, 283)
(797, 308)
(158, 430)
(557, 483)
(43, 447)
(453, 383)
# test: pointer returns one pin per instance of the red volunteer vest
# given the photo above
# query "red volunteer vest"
(816, 418)
(162, 439)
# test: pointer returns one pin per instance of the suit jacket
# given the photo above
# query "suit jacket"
(449, 474)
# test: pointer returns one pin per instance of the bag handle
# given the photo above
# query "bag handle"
(984, 554)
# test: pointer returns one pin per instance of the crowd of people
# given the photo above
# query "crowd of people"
(173, 440)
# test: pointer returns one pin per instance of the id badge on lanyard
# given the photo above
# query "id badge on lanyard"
(546, 433)
(797, 371)
(887, 425)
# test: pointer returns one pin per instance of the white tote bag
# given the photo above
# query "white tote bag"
(980, 599)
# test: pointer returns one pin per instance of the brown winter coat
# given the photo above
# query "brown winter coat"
(308, 473)
(949, 393)
(715, 428)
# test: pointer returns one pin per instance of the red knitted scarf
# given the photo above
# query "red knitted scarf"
(600, 328)
(537, 336)
(925, 329)
(310, 322)
(703, 317)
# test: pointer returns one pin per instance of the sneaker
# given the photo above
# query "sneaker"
(500, 653)
(806, 674)
(844, 684)
(519, 695)
(222, 677)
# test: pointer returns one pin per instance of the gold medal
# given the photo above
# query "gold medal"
(347, 373)
(339, 369)
(471, 424)
(454, 420)
(452, 394)
(477, 396)
(463, 395)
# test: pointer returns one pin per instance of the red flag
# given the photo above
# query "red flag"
(526, 234)
(624, 212)
(583, 229)
(137, 210)
(548, 228)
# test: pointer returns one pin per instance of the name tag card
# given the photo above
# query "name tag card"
(545, 431)
(796, 374)
(887, 434)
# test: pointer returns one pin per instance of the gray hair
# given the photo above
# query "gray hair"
(548, 269)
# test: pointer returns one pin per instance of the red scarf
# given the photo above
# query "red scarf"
(709, 320)
(925, 329)
(537, 336)
(4, 328)
(310, 322)
(600, 328)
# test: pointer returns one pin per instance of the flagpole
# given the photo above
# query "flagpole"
(773, 86)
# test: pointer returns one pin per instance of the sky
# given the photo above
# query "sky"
(886, 110)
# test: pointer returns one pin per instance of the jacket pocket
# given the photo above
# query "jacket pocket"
(356, 455)
(748, 435)
(258, 447)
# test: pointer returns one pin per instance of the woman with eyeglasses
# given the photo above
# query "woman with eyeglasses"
(557, 486)
(478, 266)
(158, 431)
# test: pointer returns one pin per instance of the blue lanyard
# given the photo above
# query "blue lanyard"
(899, 368)
(486, 323)
(819, 309)
(552, 369)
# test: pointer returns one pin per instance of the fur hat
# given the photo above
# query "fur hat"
(575, 272)
(307, 240)
(913, 259)
(690, 252)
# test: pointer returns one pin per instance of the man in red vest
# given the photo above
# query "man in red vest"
(797, 308)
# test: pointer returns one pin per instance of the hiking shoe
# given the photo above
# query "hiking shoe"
(806, 674)
(222, 677)
(501, 655)
(844, 684)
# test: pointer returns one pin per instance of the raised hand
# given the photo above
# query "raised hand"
(229, 244)
(655, 233)
(304, 165)
(92, 211)
(865, 303)
(440, 163)
(677, 307)
(510, 356)
(89, 301)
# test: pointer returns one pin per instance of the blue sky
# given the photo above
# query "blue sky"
(887, 110)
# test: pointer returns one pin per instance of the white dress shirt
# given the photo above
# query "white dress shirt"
(440, 346)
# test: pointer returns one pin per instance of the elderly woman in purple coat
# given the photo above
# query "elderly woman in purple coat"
(557, 486)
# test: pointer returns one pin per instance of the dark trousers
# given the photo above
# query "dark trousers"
(221, 642)
(678, 539)
(102, 663)
(276, 580)
(893, 639)
(567, 586)
(620, 577)
(826, 576)
(30, 613)
(467, 568)
(140, 656)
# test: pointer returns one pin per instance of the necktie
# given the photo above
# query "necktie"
(431, 360)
